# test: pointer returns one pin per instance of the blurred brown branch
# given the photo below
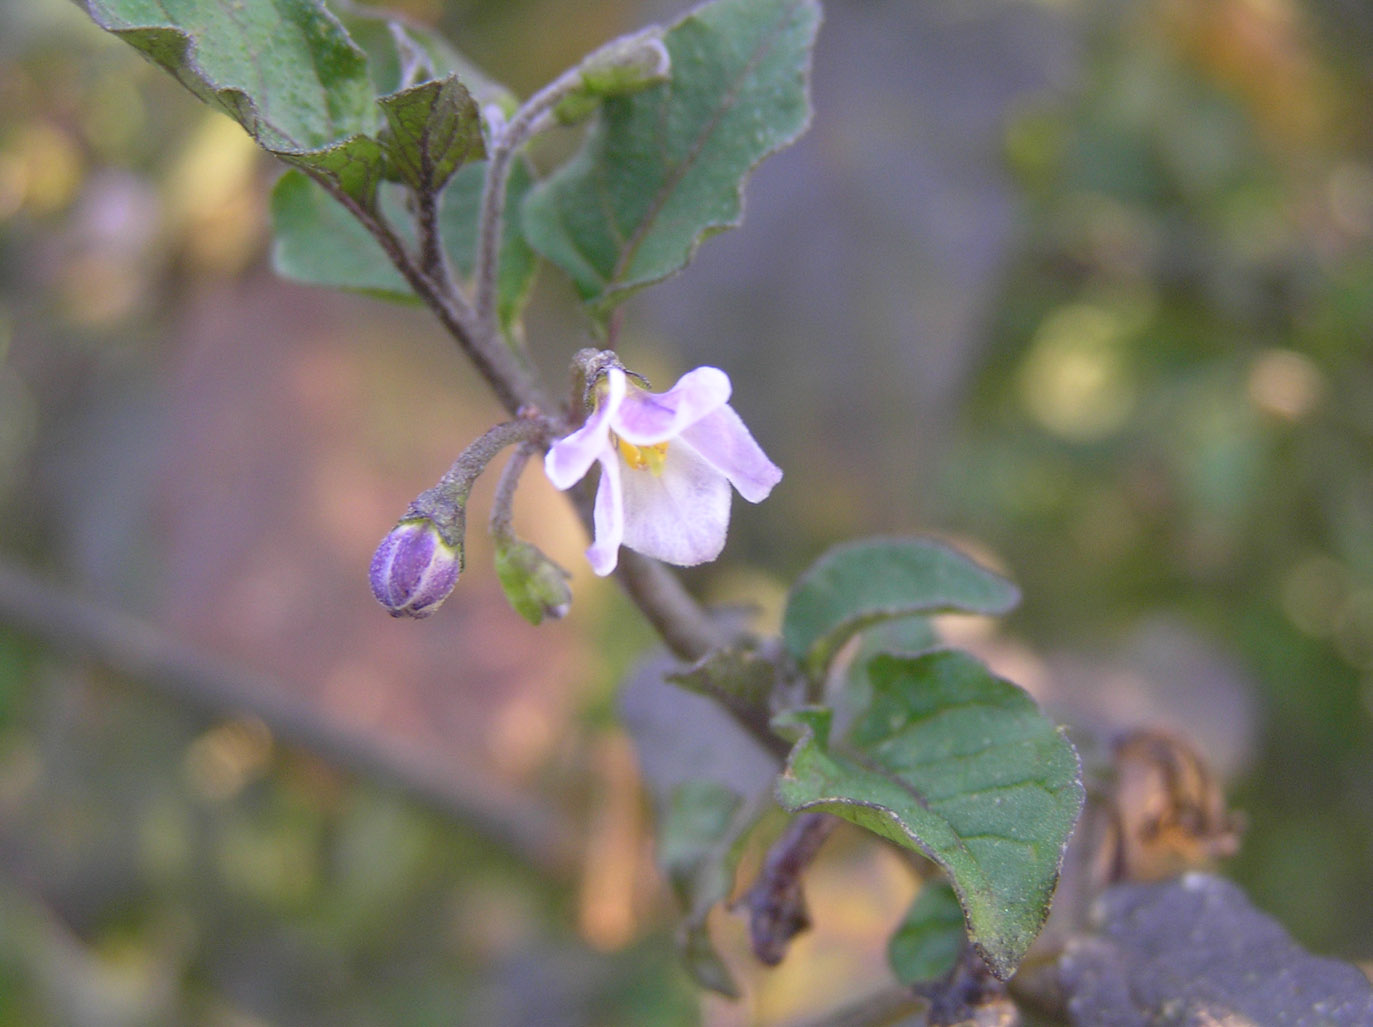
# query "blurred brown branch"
(536, 835)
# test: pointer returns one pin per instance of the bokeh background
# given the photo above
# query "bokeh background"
(1085, 286)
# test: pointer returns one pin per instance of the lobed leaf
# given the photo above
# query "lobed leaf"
(663, 168)
(858, 584)
(960, 765)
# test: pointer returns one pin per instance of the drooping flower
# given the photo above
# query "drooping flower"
(667, 463)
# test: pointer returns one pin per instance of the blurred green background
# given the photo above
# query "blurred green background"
(1086, 286)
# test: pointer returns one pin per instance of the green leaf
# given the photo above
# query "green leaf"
(905, 636)
(663, 168)
(458, 220)
(317, 242)
(286, 71)
(710, 783)
(738, 678)
(926, 945)
(432, 130)
(960, 765)
(401, 53)
(700, 831)
(862, 583)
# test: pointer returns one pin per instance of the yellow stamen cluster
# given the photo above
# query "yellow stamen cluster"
(641, 458)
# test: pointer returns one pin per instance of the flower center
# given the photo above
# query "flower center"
(641, 458)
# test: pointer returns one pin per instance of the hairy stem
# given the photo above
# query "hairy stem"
(445, 504)
(529, 120)
(433, 263)
(685, 627)
(503, 503)
(508, 378)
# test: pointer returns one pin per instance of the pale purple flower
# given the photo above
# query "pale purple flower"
(667, 463)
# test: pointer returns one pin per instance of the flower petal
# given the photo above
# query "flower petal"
(679, 516)
(570, 458)
(647, 418)
(724, 442)
(608, 517)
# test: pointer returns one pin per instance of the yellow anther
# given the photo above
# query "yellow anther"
(642, 458)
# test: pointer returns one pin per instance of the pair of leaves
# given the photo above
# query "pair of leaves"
(661, 169)
(289, 73)
(942, 757)
(295, 79)
(946, 758)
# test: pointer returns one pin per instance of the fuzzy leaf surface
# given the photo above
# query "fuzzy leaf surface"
(286, 71)
(926, 944)
(432, 130)
(663, 168)
(316, 241)
(858, 584)
(961, 765)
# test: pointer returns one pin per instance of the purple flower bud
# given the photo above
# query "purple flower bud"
(414, 569)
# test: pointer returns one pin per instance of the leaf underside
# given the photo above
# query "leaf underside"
(286, 71)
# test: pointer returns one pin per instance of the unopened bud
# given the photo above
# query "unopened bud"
(414, 569)
(619, 68)
(534, 584)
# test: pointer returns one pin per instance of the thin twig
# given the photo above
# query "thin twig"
(532, 117)
(532, 833)
(776, 903)
(432, 260)
(503, 502)
(510, 380)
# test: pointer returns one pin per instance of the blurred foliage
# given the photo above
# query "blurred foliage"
(1174, 411)
(1167, 412)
